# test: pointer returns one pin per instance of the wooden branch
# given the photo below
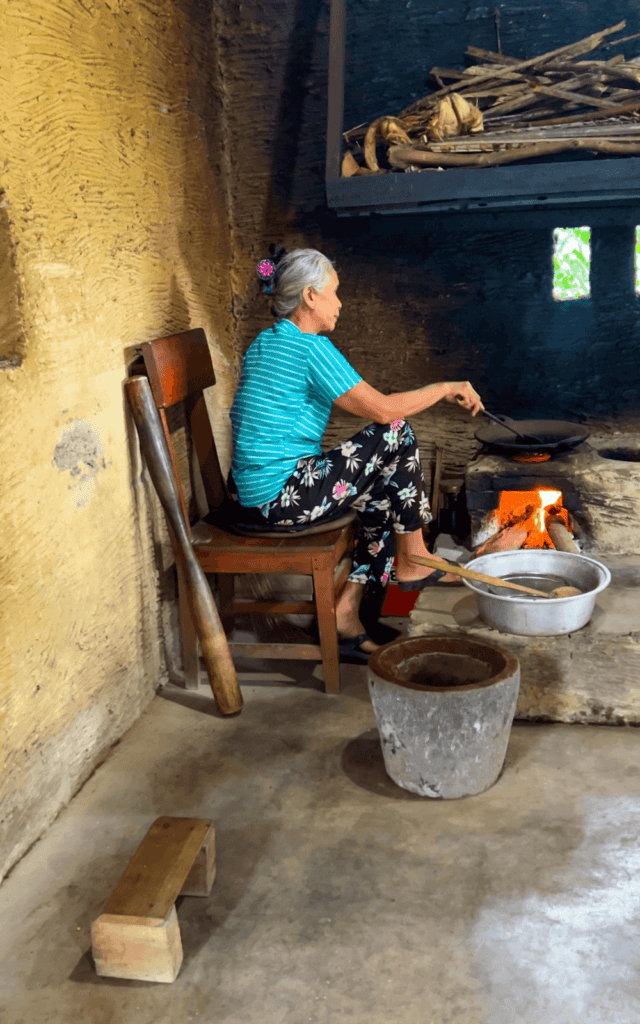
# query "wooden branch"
(563, 91)
(574, 49)
(622, 71)
(530, 117)
(504, 138)
(447, 73)
(500, 58)
(598, 65)
(497, 17)
(500, 90)
(622, 108)
(622, 94)
(534, 88)
(357, 130)
(571, 67)
(526, 99)
(625, 39)
(567, 94)
(494, 58)
(405, 156)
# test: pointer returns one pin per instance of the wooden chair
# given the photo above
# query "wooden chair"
(179, 370)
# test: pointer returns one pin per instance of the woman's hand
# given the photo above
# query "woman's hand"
(463, 394)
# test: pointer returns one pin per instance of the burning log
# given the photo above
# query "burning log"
(562, 539)
(512, 538)
(530, 519)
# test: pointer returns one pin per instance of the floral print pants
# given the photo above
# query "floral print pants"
(377, 473)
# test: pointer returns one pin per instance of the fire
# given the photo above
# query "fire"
(529, 510)
(547, 499)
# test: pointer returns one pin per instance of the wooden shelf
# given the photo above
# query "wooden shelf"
(571, 183)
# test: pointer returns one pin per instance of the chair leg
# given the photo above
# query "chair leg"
(326, 612)
(224, 583)
(190, 653)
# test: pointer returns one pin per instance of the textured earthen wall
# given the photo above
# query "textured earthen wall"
(114, 185)
(12, 338)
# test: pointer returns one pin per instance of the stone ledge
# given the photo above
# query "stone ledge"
(591, 676)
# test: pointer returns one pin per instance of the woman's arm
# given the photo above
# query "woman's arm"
(363, 400)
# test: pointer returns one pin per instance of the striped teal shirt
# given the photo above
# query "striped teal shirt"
(288, 384)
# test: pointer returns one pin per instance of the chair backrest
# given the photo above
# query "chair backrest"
(179, 368)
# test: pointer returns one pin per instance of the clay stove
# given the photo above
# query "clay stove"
(592, 675)
(593, 489)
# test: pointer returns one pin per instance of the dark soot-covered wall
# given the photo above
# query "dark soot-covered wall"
(434, 298)
(393, 44)
(525, 351)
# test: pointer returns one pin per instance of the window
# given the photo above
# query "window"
(571, 263)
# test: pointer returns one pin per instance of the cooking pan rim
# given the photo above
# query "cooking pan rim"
(574, 434)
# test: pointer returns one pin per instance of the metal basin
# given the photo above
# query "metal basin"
(511, 612)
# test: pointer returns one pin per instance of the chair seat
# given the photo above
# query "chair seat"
(309, 531)
(225, 518)
(208, 535)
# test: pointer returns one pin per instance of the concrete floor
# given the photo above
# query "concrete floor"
(340, 897)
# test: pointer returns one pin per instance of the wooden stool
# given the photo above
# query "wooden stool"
(137, 936)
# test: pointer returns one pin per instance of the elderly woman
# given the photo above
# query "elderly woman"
(291, 377)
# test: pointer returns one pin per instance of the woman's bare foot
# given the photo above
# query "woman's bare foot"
(407, 570)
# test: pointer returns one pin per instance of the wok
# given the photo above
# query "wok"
(555, 435)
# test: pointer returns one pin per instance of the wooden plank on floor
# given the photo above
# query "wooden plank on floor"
(156, 873)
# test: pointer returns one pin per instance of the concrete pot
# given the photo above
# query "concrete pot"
(444, 707)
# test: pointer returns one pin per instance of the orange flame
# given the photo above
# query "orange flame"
(529, 509)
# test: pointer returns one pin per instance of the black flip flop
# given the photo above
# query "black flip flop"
(432, 580)
(349, 648)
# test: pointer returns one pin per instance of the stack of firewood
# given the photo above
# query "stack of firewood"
(500, 110)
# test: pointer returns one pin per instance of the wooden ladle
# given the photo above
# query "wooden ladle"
(481, 577)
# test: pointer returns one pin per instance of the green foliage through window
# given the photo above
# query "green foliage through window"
(571, 262)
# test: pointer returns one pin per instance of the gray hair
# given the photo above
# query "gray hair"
(299, 269)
